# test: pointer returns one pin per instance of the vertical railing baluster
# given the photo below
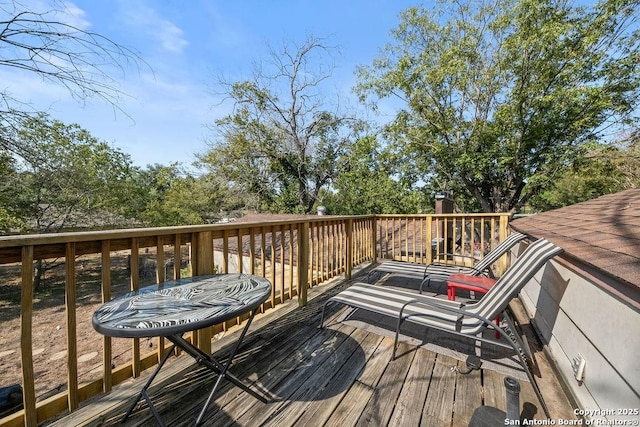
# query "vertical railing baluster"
(463, 241)
(273, 266)
(134, 266)
(349, 248)
(473, 237)
(107, 350)
(282, 269)
(252, 254)
(492, 241)
(393, 238)
(291, 247)
(316, 267)
(429, 238)
(504, 261)
(330, 254)
(454, 234)
(263, 252)
(240, 244)
(407, 249)
(303, 263)
(177, 257)
(482, 238)
(323, 251)
(225, 252)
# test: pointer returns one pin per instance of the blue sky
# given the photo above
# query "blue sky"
(188, 43)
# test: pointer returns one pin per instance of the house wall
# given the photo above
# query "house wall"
(575, 315)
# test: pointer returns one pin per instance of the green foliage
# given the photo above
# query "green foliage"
(367, 187)
(10, 217)
(65, 178)
(604, 170)
(176, 198)
(501, 96)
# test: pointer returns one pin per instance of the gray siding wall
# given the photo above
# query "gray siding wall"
(575, 316)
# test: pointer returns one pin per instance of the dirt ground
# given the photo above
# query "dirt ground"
(49, 340)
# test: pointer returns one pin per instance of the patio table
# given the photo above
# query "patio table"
(171, 309)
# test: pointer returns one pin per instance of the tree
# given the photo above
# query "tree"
(66, 177)
(499, 97)
(176, 198)
(47, 44)
(281, 144)
(366, 185)
(605, 169)
(10, 217)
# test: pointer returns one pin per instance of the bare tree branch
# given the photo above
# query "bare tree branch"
(49, 45)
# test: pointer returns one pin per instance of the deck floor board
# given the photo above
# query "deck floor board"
(339, 375)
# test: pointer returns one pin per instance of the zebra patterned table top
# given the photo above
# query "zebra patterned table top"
(179, 306)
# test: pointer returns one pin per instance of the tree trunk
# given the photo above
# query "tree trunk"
(39, 273)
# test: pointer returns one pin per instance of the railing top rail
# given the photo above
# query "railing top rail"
(85, 236)
(448, 215)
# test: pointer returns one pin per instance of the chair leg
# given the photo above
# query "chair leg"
(518, 346)
(324, 307)
(395, 341)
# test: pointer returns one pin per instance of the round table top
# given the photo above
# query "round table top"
(180, 306)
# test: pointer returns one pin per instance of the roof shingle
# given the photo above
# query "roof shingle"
(603, 232)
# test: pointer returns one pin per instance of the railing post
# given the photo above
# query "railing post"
(107, 351)
(202, 243)
(303, 263)
(135, 285)
(26, 334)
(349, 249)
(72, 342)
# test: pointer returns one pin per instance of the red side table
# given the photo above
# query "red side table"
(485, 283)
(454, 282)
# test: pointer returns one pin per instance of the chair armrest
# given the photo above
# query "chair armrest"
(450, 306)
(442, 254)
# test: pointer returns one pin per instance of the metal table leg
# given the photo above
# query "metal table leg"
(215, 366)
(204, 359)
(144, 394)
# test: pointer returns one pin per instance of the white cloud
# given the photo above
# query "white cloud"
(144, 19)
(75, 16)
(171, 37)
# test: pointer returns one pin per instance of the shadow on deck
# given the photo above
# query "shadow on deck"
(337, 376)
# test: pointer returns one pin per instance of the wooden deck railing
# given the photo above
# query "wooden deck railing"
(452, 238)
(294, 255)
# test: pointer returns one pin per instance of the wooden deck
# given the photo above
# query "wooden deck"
(337, 376)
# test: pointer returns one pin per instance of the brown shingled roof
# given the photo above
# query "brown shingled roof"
(603, 233)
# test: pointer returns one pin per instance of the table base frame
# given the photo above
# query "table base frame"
(222, 370)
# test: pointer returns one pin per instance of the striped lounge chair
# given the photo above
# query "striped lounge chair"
(453, 316)
(439, 272)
